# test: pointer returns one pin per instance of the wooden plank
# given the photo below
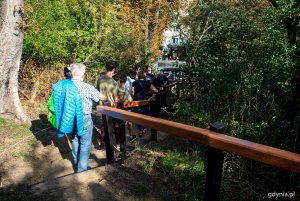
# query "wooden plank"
(108, 129)
(155, 112)
(262, 153)
(133, 104)
(214, 167)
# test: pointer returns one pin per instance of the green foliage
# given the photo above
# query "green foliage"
(240, 71)
(59, 29)
(2, 121)
(183, 170)
(116, 39)
(91, 32)
(6, 196)
(18, 133)
(139, 189)
(182, 112)
(148, 166)
(241, 65)
(183, 166)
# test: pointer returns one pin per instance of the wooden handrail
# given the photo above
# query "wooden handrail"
(133, 104)
(262, 153)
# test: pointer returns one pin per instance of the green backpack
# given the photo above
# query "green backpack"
(51, 110)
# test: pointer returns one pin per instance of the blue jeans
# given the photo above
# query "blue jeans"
(141, 110)
(81, 146)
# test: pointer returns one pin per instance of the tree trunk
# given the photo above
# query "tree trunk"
(11, 42)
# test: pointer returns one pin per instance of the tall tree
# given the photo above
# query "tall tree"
(11, 41)
(152, 18)
(291, 19)
(290, 16)
(239, 56)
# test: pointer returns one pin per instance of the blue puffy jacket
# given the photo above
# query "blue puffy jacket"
(68, 107)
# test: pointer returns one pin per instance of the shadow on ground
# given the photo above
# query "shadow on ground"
(47, 135)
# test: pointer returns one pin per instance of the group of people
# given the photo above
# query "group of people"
(73, 100)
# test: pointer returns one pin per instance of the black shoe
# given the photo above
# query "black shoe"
(132, 138)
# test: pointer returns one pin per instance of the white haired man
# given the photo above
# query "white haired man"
(81, 145)
(73, 101)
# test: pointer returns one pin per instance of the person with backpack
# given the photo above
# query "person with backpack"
(142, 90)
(149, 75)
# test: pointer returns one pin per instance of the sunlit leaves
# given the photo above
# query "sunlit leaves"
(60, 29)
(94, 31)
(241, 64)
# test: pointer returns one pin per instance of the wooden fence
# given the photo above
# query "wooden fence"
(216, 141)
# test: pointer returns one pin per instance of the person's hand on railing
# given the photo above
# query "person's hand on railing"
(132, 104)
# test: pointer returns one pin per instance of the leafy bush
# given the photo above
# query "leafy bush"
(240, 68)
(184, 168)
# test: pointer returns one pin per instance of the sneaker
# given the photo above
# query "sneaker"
(117, 147)
(132, 138)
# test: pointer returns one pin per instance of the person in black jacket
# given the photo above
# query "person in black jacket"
(67, 69)
(161, 81)
(149, 75)
(141, 89)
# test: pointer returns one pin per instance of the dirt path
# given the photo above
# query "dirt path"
(47, 172)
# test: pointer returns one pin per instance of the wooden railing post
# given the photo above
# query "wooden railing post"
(163, 98)
(155, 112)
(122, 136)
(214, 167)
(121, 130)
(109, 140)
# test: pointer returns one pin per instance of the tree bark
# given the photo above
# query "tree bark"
(11, 42)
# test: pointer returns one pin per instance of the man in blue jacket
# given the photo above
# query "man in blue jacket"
(73, 101)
